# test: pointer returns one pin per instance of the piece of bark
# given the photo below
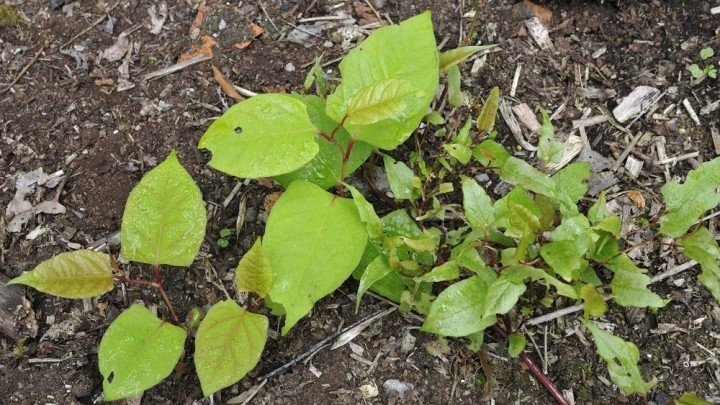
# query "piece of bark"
(716, 139)
(17, 319)
(639, 100)
(527, 117)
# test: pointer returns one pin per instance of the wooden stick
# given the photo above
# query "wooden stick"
(89, 27)
(25, 69)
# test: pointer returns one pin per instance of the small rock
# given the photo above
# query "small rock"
(369, 391)
(398, 386)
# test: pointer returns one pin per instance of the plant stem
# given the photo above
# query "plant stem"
(346, 157)
(159, 285)
(134, 281)
(535, 370)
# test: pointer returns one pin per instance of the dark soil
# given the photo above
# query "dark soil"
(67, 113)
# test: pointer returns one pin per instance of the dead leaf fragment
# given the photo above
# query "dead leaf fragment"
(637, 198)
(205, 49)
(225, 84)
(270, 200)
(544, 14)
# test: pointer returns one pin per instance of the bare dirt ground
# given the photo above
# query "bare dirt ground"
(84, 107)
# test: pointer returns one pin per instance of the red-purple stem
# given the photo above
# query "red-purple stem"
(535, 370)
(157, 284)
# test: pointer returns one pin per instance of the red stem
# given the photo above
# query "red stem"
(157, 284)
(535, 370)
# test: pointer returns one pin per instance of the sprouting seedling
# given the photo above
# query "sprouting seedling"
(224, 236)
(709, 70)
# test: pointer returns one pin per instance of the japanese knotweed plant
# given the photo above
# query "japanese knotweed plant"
(163, 224)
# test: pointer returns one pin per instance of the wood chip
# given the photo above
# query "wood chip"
(637, 198)
(516, 79)
(588, 122)
(527, 117)
(710, 108)
(514, 126)
(716, 139)
(225, 84)
(691, 112)
(639, 100)
(633, 166)
(539, 33)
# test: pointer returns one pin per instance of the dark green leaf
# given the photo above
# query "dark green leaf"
(458, 310)
(702, 247)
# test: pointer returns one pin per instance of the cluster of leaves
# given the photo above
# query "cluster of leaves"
(499, 261)
(709, 70)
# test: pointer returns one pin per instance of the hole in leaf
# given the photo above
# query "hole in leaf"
(238, 130)
(111, 377)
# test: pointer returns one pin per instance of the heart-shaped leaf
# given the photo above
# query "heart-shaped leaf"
(138, 351)
(164, 219)
(228, 345)
(459, 309)
(313, 241)
(78, 274)
(263, 136)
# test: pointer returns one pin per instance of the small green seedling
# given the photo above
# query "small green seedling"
(709, 70)
(224, 238)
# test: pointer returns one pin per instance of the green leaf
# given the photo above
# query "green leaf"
(253, 272)
(316, 75)
(549, 150)
(313, 241)
(695, 71)
(687, 202)
(690, 399)
(400, 178)
(516, 345)
(486, 119)
(262, 136)
(467, 256)
(372, 222)
(520, 173)
(629, 289)
(564, 257)
(518, 273)
(78, 274)
(501, 297)
(380, 100)
(434, 118)
(593, 303)
(444, 272)
(599, 210)
(570, 180)
(611, 225)
(164, 219)
(377, 270)
(455, 95)
(621, 358)
(228, 345)
(138, 351)
(490, 153)
(477, 204)
(577, 230)
(404, 52)
(702, 247)
(325, 168)
(460, 152)
(522, 212)
(706, 53)
(454, 56)
(458, 310)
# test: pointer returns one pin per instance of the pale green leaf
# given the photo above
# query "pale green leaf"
(405, 52)
(521, 211)
(377, 270)
(380, 100)
(685, 203)
(477, 204)
(444, 272)
(516, 345)
(611, 225)
(570, 180)
(564, 257)
(706, 53)
(455, 95)
(549, 150)
(593, 303)
(695, 71)
(629, 289)
(454, 56)
(372, 222)
(164, 219)
(458, 310)
(459, 151)
(253, 272)
(702, 247)
(434, 118)
(486, 119)
(138, 351)
(313, 241)
(490, 153)
(325, 168)
(501, 297)
(262, 136)
(467, 256)
(228, 345)
(577, 230)
(599, 210)
(400, 177)
(690, 399)
(78, 274)
(517, 273)
(621, 358)
(520, 173)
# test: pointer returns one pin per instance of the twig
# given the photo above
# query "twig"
(25, 68)
(176, 67)
(316, 347)
(576, 308)
(377, 15)
(262, 7)
(89, 27)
